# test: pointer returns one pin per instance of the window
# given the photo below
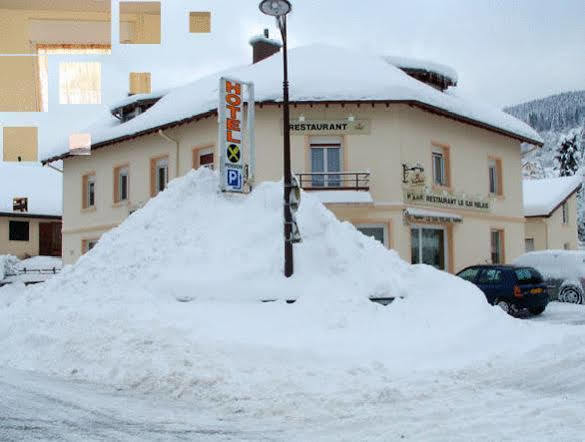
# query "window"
(88, 244)
(441, 173)
(18, 230)
(88, 191)
(428, 246)
(80, 83)
(377, 231)
(121, 184)
(326, 161)
(490, 276)
(469, 274)
(159, 174)
(43, 50)
(529, 244)
(495, 176)
(565, 210)
(203, 158)
(567, 246)
(497, 246)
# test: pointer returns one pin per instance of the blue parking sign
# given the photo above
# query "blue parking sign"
(234, 179)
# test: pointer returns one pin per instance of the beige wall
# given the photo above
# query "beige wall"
(20, 142)
(19, 248)
(551, 233)
(399, 134)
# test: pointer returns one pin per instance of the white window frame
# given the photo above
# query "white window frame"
(493, 166)
(382, 226)
(442, 179)
(526, 247)
(326, 143)
(419, 227)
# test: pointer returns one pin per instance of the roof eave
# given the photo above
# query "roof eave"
(424, 106)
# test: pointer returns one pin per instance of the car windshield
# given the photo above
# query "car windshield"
(528, 276)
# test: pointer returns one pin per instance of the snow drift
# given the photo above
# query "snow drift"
(171, 300)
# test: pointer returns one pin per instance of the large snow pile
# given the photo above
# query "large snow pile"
(171, 300)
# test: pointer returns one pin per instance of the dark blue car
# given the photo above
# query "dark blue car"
(510, 287)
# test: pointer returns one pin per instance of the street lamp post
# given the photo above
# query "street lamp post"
(279, 9)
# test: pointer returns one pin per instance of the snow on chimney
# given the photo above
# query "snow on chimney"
(263, 47)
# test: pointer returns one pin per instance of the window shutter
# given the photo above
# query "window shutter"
(153, 177)
(84, 188)
(500, 177)
(447, 172)
(116, 184)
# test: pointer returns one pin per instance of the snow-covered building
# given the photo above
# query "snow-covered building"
(391, 149)
(550, 207)
(31, 206)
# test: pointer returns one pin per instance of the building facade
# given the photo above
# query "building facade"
(438, 187)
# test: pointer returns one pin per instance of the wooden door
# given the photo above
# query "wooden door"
(50, 239)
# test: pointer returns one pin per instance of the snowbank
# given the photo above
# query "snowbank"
(170, 300)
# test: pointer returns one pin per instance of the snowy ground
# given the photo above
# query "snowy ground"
(539, 398)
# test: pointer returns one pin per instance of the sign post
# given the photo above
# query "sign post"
(235, 174)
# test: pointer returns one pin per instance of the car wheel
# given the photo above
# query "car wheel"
(504, 305)
(536, 310)
(571, 295)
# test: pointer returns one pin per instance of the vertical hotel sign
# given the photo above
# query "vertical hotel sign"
(234, 132)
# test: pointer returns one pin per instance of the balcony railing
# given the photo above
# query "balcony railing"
(334, 180)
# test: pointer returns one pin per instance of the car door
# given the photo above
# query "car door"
(491, 283)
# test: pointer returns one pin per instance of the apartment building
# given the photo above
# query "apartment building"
(383, 142)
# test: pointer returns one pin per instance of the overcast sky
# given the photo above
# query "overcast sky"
(505, 51)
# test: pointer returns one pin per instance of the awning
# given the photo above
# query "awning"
(417, 215)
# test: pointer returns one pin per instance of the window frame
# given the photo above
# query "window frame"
(495, 163)
(526, 248)
(443, 151)
(385, 231)
(119, 172)
(154, 175)
(87, 179)
(565, 213)
(197, 153)
(85, 244)
(325, 143)
(501, 252)
(12, 223)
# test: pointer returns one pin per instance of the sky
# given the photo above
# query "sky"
(505, 51)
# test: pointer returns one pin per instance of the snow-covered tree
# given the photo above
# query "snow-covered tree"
(533, 169)
(568, 155)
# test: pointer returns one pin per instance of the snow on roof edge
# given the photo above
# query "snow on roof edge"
(542, 197)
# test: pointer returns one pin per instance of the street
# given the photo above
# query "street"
(499, 400)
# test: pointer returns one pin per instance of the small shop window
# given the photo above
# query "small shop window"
(88, 191)
(495, 176)
(377, 231)
(497, 246)
(121, 184)
(18, 231)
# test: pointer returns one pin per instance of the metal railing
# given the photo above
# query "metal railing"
(334, 180)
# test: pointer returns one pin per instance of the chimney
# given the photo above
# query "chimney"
(263, 47)
(139, 83)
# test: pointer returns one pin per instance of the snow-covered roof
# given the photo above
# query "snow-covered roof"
(262, 38)
(343, 196)
(542, 197)
(42, 186)
(317, 73)
(423, 65)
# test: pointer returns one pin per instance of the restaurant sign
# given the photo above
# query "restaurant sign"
(330, 127)
(425, 196)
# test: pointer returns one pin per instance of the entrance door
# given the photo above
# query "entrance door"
(428, 246)
(50, 239)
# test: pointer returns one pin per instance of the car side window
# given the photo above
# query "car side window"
(490, 276)
(469, 274)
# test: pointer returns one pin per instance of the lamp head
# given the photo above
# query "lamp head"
(275, 8)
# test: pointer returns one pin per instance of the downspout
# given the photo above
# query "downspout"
(166, 137)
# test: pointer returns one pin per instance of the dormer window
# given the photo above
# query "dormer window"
(20, 204)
